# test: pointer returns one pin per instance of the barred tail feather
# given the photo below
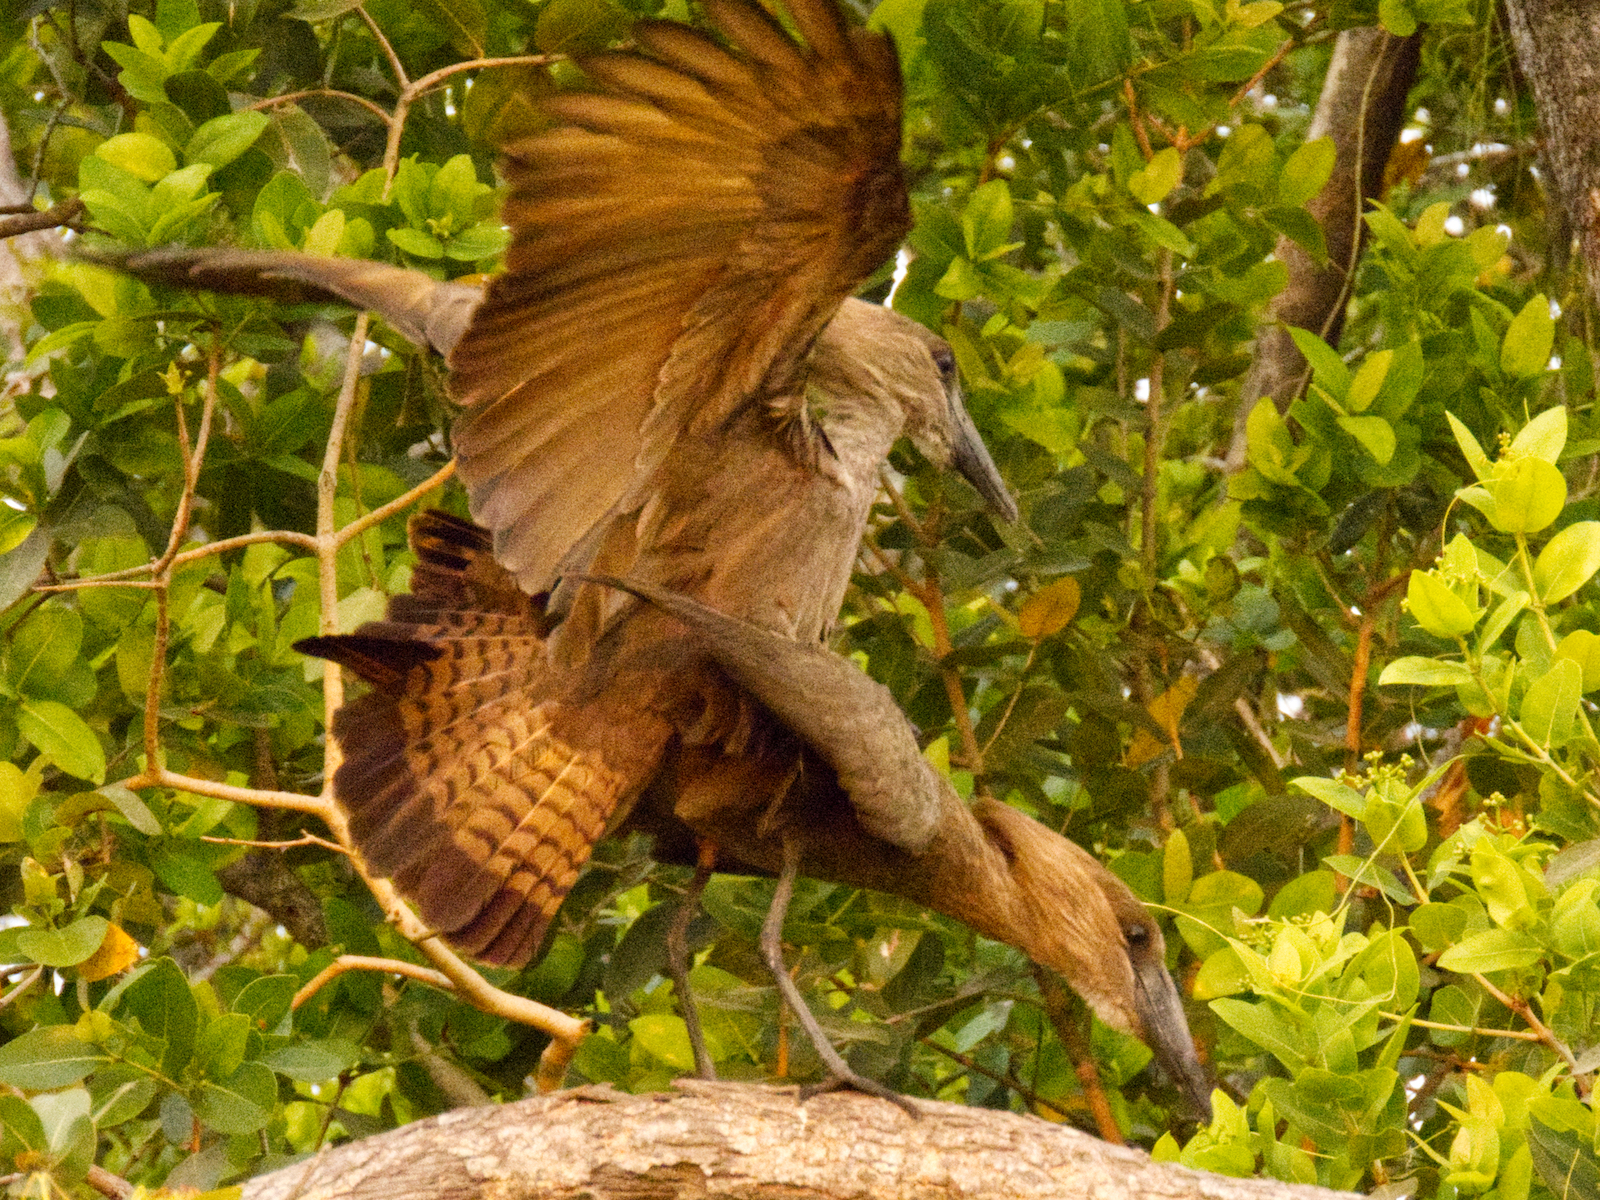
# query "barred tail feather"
(455, 781)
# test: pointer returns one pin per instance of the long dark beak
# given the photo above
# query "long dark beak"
(1166, 1031)
(970, 456)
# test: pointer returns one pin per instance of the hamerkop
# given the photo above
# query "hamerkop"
(675, 416)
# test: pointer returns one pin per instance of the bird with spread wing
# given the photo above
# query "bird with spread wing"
(675, 415)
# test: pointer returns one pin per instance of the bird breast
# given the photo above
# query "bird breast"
(763, 523)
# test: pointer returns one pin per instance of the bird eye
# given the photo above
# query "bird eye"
(1137, 936)
(944, 358)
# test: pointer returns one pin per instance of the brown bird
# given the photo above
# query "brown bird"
(671, 383)
(779, 752)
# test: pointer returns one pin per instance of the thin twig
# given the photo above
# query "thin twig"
(65, 213)
(329, 94)
(155, 776)
(434, 78)
(107, 1184)
(1057, 1007)
(305, 839)
(400, 503)
(28, 980)
(1524, 1035)
(1524, 1010)
(399, 68)
(1059, 1107)
(364, 962)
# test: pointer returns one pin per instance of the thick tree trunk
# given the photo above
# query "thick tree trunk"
(1555, 42)
(1362, 108)
(742, 1140)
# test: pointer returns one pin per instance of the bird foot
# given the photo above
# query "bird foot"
(859, 1083)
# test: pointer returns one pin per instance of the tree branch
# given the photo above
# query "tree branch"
(743, 1140)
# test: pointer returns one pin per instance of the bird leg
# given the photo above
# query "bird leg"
(678, 957)
(772, 951)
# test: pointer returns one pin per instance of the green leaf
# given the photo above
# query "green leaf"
(1330, 370)
(1313, 892)
(1498, 882)
(1583, 648)
(1543, 437)
(165, 1008)
(1529, 493)
(43, 647)
(1375, 435)
(1470, 450)
(141, 155)
(1525, 353)
(960, 281)
(1564, 1157)
(986, 221)
(1222, 974)
(1368, 380)
(15, 526)
(1437, 608)
(1162, 232)
(478, 242)
(1398, 17)
(321, 10)
(1550, 705)
(414, 241)
(666, 1037)
(308, 1062)
(63, 738)
(1177, 870)
(134, 810)
(1096, 40)
(183, 49)
(240, 1104)
(1504, 613)
(1437, 926)
(565, 26)
(1335, 794)
(1491, 950)
(20, 1129)
(1367, 872)
(1224, 63)
(1307, 172)
(222, 139)
(1152, 182)
(1424, 672)
(266, 1000)
(47, 1058)
(220, 1048)
(1568, 561)
(1267, 1029)
(143, 75)
(179, 867)
(63, 947)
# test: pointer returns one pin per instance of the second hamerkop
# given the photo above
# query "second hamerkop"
(675, 415)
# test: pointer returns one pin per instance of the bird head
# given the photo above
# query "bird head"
(873, 351)
(1072, 915)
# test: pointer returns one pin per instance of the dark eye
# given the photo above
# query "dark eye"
(944, 358)
(1138, 937)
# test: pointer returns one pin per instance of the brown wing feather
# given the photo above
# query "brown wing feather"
(680, 238)
(457, 779)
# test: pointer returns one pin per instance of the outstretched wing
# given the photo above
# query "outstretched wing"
(679, 239)
(458, 780)
(477, 774)
(850, 720)
(423, 310)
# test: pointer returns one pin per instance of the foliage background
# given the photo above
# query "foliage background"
(1394, 977)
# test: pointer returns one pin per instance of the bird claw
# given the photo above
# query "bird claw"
(859, 1083)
